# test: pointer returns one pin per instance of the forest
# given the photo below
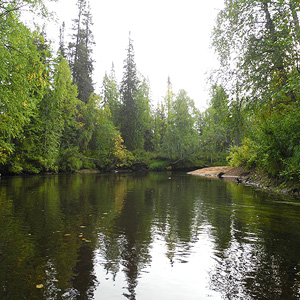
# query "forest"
(52, 120)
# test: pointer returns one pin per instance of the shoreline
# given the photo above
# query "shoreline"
(250, 177)
(224, 172)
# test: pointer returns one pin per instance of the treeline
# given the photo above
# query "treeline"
(51, 120)
(258, 45)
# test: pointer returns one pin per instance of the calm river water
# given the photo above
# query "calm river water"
(146, 237)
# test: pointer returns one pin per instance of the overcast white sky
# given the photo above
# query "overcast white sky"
(170, 38)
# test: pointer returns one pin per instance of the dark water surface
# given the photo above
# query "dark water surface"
(146, 237)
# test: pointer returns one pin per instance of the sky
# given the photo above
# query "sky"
(170, 38)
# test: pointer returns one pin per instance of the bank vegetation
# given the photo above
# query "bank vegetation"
(51, 119)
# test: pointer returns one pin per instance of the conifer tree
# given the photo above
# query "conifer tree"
(81, 61)
(62, 48)
(129, 87)
(144, 122)
(169, 99)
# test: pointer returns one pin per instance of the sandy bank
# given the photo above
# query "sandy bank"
(223, 172)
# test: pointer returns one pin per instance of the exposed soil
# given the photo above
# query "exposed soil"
(223, 172)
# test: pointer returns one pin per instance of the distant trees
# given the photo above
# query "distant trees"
(181, 139)
(51, 119)
(176, 137)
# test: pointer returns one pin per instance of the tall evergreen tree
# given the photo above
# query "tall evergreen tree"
(129, 87)
(169, 98)
(144, 123)
(81, 61)
(62, 48)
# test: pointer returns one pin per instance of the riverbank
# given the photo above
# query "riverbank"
(224, 172)
(251, 177)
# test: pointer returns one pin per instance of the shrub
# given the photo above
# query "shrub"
(160, 165)
(70, 160)
(243, 156)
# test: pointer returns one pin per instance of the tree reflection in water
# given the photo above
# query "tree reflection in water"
(84, 281)
(258, 260)
(155, 237)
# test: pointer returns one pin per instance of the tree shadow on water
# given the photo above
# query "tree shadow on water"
(84, 281)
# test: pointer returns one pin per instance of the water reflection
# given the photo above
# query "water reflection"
(156, 236)
(259, 261)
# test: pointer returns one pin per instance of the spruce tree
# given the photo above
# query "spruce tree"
(129, 88)
(81, 61)
(62, 48)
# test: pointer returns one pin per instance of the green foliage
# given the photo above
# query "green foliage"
(135, 103)
(160, 165)
(278, 141)
(144, 138)
(143, 157)
(69, 160)
(22, 79)
(128, 113)
(40, 145)
(160, 125)
(111, 96)
(244, 155)
(134, 114)
(258, 46)
(215, 124)
(88, 164)
(50, 119)
(273, 143)
(106, 144)
(181, 138)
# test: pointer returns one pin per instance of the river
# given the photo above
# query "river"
(146, 237)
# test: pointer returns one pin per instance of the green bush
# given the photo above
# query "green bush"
(70, 160)
(243, 156)
(273, 143)
(88, 164)
(277, 141)
(142, 156)
(160, 165)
